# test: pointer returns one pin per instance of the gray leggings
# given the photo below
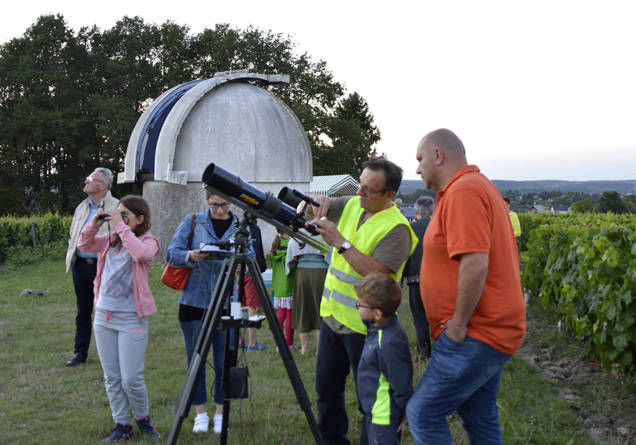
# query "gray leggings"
(121, 344)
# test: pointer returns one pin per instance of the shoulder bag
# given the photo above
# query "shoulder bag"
(177, 277)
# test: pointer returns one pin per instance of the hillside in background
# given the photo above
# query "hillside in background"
(623, 187)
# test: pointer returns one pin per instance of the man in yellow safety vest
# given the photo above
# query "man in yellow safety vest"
(368, 234)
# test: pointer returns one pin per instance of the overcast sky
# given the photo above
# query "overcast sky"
(535, 89)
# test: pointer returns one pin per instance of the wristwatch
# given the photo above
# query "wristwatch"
(345, 246)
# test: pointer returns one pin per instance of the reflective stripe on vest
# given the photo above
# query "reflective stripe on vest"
(340, 298)
(350, 279)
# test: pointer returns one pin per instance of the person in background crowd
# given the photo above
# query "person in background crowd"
(283, 286)
(398, 204)
(83, 265)
(251, 296)
(311, 268)
(423, 211)
(471, 290)
(123, 304)
(368, 234)
(514, 218)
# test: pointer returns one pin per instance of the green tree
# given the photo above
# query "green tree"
(410, 198)
(68, 101)
(43, 114)
(583, 206)
(352, 137)
(630, 203)
(611, 201)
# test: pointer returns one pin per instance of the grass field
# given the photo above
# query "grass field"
(45, 402)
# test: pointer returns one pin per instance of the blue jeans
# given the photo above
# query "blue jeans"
(463, 377)
(191, 330)
(337, 353)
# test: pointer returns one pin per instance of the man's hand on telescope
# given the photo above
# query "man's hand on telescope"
(319, 212)
(329, 232)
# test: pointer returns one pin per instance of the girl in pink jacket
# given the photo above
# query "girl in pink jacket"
(122, 303)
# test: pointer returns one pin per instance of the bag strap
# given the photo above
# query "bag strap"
(191, 232)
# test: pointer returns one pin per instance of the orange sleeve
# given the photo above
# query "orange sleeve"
(468, 223)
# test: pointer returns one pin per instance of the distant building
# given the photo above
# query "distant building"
(524, 209)
(560, 209)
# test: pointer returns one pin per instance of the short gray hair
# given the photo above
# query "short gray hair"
(424, 206)
(108, 176)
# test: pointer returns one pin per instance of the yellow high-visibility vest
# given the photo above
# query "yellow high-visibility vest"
(339, 296)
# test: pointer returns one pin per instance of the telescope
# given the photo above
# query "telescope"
(279, 212)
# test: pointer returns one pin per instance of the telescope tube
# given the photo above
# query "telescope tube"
(261, 204)
(223, 180)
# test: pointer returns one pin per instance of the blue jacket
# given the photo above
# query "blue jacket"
(385, 373)
(203, 275)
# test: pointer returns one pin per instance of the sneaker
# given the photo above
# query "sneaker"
(146, 428)
(77, 359)
(201, 423)
(218, 423)
(257, 347)
(121, 433)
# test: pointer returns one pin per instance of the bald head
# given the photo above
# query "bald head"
(440, 154)
(445, 140)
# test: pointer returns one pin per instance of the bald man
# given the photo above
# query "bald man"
(470, 286)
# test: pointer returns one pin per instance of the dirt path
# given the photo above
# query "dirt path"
(583, 384)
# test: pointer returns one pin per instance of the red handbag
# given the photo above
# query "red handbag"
(177, 277)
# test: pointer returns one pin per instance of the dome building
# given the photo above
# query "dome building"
(229, 120)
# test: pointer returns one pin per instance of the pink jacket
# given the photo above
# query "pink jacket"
(142, 250)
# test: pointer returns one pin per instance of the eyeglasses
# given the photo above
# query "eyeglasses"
(89, 179)
(358, 305)
(224, 206)
(364, 190)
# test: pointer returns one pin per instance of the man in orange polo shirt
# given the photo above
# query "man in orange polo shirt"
(470, 286)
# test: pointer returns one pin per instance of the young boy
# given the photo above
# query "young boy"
(385, 371)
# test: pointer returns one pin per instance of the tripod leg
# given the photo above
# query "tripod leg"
(220, 296)
(229, 360)
(283, 350)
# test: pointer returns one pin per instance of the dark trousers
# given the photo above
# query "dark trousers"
(83, 277)
(337, 354)
(383, 434)
(422, 335)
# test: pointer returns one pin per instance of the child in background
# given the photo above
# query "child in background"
(122, 304)
(282, 285)
(385, 371)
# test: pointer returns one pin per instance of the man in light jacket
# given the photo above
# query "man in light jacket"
(83, 265)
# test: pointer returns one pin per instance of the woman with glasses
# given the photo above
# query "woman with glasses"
(214, 224)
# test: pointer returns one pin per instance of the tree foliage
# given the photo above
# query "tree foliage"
(611, 202)
(351, 135)
(69, 100)
(583, 206)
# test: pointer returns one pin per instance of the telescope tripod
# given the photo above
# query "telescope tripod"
(213, 318)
